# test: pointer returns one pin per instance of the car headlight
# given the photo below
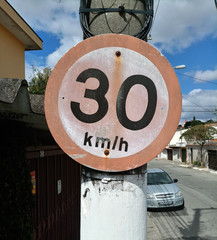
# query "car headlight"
(150, 196)
(178, 194)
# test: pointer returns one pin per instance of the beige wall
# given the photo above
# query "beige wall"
(12, 56)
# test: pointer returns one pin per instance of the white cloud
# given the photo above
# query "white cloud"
(194, 92)
(208, 75)
(29, 70)
(60, 18)
(53, 16)
(199, 103)
(179, 24)
(65, 45)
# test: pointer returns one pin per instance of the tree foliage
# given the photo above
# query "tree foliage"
(193, 123)
(200, 134)
(209, 121)
(38, 83)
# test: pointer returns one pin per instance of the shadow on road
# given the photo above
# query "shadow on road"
(188, 230)
(195, 226)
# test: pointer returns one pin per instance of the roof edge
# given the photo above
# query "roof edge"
(9, 18)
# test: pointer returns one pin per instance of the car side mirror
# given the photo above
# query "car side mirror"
(175, 180)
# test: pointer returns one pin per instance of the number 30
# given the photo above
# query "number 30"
(99, 96)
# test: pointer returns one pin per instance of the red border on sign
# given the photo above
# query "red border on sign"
(106, 163)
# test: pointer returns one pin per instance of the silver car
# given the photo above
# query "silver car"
(162, 192)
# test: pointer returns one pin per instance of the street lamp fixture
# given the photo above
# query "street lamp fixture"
(179, 67)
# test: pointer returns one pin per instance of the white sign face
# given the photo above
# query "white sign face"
(113, 102)
(118, 106)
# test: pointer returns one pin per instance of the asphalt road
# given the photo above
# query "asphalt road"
(198, 220)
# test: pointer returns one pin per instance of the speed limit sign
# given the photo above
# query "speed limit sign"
(113, 102)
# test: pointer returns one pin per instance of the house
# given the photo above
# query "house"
(209, 152)
(28, 149)
(190, 152)
(176, 149)
(16, 37)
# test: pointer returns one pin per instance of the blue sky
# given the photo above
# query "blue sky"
(184, 31)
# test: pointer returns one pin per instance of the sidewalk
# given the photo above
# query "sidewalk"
(152, 230)
(181, 164)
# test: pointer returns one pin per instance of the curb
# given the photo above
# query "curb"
(211, 171)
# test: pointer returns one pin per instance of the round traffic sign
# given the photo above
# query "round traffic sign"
(113, 102)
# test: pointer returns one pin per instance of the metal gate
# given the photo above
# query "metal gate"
(170, 154)
(183, 154)
(57, 194)
(212, 155)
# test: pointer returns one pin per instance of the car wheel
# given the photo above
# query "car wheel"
(182, 206)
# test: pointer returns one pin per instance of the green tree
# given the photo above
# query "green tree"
(199, 134)
(193, 123)
(209, 121)
(38, 83)
(196, 122)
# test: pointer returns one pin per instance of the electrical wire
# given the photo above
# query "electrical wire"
(194, 103)
(85, 10)
(202, 80)
(154, 17)
(128, 22)
(211, 106)
(202, 107)
(198, 111)
(156, 12)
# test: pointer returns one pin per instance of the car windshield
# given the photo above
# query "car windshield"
(158, 178)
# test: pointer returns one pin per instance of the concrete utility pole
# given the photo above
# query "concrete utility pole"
(112, 103)
(113, 205)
